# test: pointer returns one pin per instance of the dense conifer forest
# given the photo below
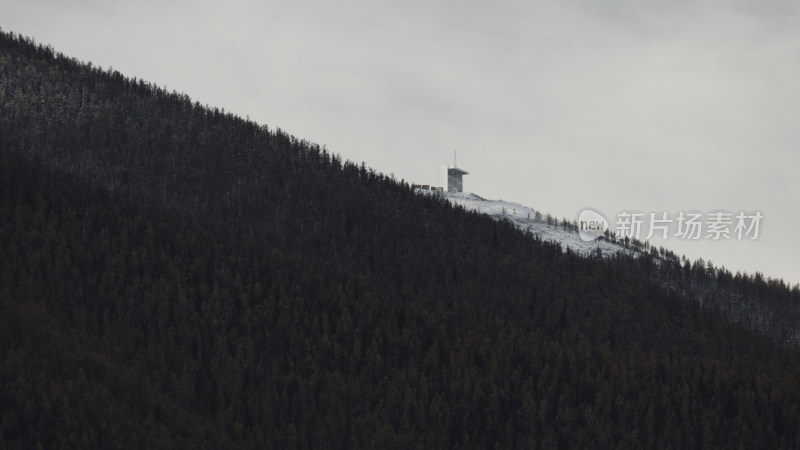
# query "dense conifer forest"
(172, 275)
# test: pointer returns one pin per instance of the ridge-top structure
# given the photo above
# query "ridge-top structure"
(451, 178)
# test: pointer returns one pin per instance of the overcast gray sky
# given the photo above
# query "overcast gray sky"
(618, 105)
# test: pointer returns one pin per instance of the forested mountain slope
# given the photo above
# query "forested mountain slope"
(760, 303)
(174, 276)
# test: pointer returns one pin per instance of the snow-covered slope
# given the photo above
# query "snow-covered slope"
(525, 218)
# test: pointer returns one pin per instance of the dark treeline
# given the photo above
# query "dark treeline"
(768, 305)
(175, 276)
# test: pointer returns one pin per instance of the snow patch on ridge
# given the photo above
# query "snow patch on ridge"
(525, 219)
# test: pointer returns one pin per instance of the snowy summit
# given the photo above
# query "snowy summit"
(528, 219)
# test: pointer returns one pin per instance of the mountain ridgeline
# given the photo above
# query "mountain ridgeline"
(172, 275)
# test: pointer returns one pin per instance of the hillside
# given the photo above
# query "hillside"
(525, 218)
(764, 304)
(176, 276)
